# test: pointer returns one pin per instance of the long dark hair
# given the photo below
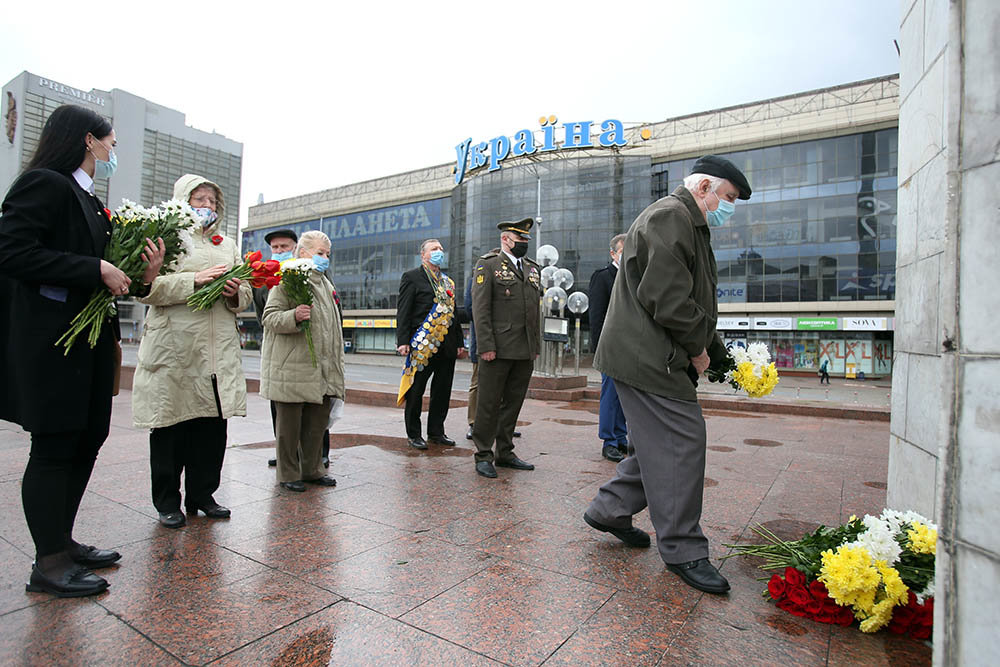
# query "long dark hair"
(63, 146)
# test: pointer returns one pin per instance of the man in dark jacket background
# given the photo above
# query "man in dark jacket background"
(421, 290)
(611, 427)
(658, 337)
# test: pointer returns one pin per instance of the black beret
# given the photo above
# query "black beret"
(713, 165)
(285, 233)
(522, 227)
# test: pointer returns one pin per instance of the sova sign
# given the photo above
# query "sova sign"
(577, 135)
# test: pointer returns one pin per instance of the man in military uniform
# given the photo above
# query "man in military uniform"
(505, 290)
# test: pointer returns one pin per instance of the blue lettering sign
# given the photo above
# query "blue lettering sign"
(492, 153)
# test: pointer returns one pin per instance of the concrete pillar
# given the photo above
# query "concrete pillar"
(944, 458)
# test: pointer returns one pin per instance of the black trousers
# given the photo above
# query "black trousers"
(195, 447)
(60, 464)
(443, 370)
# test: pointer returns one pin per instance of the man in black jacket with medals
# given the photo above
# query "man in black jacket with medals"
(423, 293)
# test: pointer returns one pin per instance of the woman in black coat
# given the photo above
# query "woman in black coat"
(53, 233)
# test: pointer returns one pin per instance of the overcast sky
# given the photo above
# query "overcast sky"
(326, 96)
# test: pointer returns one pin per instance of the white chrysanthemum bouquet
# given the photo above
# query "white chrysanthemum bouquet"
(749, 369)
(131, 226)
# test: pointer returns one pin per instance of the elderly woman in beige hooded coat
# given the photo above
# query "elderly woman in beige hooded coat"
(189, 377)
(301, 392)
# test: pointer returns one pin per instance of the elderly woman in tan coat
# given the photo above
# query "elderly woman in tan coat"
(302, 392)
(189, 377)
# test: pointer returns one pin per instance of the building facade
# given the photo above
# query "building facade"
(807, 265)
(155, 147)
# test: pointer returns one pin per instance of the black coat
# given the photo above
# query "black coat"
(52, 237)
(600, 296)
(416, 298)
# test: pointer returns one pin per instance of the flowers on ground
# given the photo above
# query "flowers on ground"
(876, 570)
(131, 225)
(253, 268)
(749, 369)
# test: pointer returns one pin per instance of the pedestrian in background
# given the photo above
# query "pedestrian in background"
(611, 427)
(189, 375)
(824, 373)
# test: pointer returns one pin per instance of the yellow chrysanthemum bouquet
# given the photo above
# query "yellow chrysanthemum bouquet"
(876, 570)
(749, 369)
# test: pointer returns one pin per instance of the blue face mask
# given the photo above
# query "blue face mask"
(105, 168)
(437, 257)
(281, 256)
(206, 215)
(320, 263)
(721, 214)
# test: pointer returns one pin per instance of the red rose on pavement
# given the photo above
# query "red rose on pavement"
(846, 616)
(799, 595)
(216, 240)
(815, 608)
(794, 577)
(791, 608)
(818, 590)
(776, 587)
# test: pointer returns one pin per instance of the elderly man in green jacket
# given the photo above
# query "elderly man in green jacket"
(664, 306)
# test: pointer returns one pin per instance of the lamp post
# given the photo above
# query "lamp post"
(577, 304)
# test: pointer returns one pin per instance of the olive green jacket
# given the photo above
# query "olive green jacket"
(505, 307)
(664, 306)
(286, 371)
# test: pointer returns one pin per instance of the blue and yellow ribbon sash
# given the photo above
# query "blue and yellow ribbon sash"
(428, 338)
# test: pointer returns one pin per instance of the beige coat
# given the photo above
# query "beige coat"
(185, 354)
(286, 371)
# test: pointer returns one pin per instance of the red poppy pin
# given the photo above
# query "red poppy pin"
(216, 240)
(107, 212)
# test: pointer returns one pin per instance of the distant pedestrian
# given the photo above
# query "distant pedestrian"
(611, 427)
(824, 373)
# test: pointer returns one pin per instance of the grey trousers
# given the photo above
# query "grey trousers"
(300, 429)
(665, 468)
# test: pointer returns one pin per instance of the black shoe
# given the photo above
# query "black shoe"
(326, 461)
(442, 440)
(516, 464)
(92, 557)
(172, 519)
(75, 582)
(631, 536)
(517, 434)
(486, 469)
(416, 443)
(272, 463)
(468, 436)
(325, 480)
(212, 510)
(298, 487)
(700, 574)
(612, 453)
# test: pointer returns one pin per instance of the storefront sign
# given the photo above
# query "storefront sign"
(817, 324)
(732, 323)
(866, 323)
(577, 135)
(732, 292)
(776, 323)
(369, 324)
